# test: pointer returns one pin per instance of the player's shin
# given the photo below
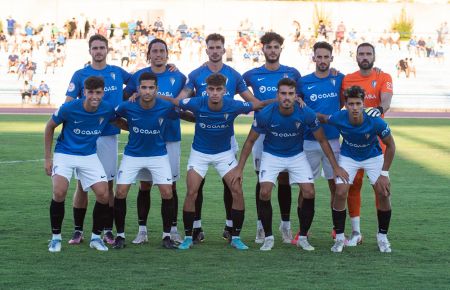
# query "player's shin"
(167, 215)
(120, 211)
(266, 216)
(306, 215)
(56, 216)
(143, 206)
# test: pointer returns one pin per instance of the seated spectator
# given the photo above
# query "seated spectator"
(13, 63)
(43, 91)
(26, 92)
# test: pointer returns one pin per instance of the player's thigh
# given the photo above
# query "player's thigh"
(224, 162)
(271, 166)
(129, 169)
(326, 165)
(234, 145)
(373, 167)
(199, 162)
(159, 166)
(90, 171)
(107, 150)
(63, 166)
(349, 165)
(257, 151)
(174, 152)
(299, 169)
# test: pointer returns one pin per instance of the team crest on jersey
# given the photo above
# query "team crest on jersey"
(100, 120)
(172, 81)
(185, 101)
(113, 75)
(333, 82)
(160, 120)
(285, 76)
(71, 87)
(226, 82)
(374, 84)
(367, 136)
(226, 116)
(297, 124)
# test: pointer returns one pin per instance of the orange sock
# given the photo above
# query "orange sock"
(354, 195)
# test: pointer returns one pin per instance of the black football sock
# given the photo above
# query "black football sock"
(199, 202)
(265, 207)
(120, 212)
(175, 207)
(339, 220)
(188, 221)
(167, 214)
(384, 218)
(143, 206)
(238, 220)
(227, 199)
(99, 215)
(56, 216)
(78, 216)
(285, 201)
(306, 215)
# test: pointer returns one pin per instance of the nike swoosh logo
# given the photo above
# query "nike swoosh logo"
(229, 164)
(260, 79)
(169, 179)
(77, 122)
(103, 176)
(311, 87)
(112, 175)
(134, 119)
(273, 126)
(203, 84)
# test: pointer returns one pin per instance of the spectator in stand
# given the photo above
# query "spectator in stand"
(13, 63)
(402, 67)
(411, 67)
(26, 92)
(43, 91)
(182, 28)
(340, 32)
(11, 25)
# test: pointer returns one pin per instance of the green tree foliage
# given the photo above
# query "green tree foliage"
(404, 25)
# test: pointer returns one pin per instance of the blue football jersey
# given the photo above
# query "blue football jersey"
(197, 81)
(213, 129)
(264, 82)
(81, 129)
(323, 96)
(284, 134)
(145, 126)
(170, 84)
(114, 77)
(360, 142)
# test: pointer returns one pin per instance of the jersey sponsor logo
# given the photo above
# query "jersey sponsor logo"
(285, 135)
(110, 89)
(71, 87)
(263, 89)
(213, 126)
(356, 145)
(167, 94)
(315, 97)
(370, 96)
(138, 130)
(78, 131)
(260, 79)
(185, 101)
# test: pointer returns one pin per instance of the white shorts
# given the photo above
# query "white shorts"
(257, 151)
(174, 153)
(158, 166)
(297, 166)
(234, 144)
(316, 157)
(88, 168)
(107, 149)
(372, 166)
(223, 162)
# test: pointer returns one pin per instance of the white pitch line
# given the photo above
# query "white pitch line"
(21, 161)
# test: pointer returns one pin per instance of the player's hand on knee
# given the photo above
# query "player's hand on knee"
(373, 112)
(236, 176)
(383, 185)
(342, 174)
(48, 166)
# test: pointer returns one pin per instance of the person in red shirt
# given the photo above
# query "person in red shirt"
(379, 91)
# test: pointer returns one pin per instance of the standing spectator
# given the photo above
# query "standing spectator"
(11, 25)
(26, 92)
(402, 66)
(340, 32)
(412, 67)
(72, 28)
(182, 28)
(322, 30)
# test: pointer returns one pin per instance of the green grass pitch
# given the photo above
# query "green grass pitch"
(419, 230)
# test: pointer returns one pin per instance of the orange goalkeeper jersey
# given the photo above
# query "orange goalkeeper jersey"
(374, 84)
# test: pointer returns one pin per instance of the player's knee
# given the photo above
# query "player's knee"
(341, 193)
(265, 193)
(166, 192)
(191, 194)
(308, 193)
(121, 192)
(59, 194)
